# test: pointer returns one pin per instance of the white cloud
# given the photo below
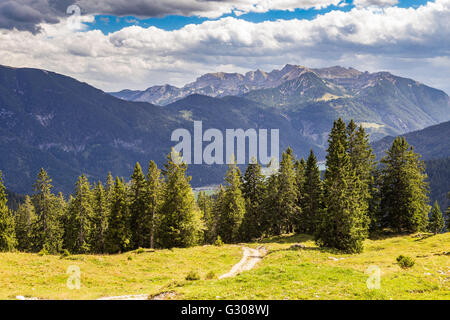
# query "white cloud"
(396, 39)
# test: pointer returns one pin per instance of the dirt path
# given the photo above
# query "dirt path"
(249, 259)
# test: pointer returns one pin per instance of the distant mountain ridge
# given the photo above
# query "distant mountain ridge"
(222, 84)
(68, 127)
(386, 104)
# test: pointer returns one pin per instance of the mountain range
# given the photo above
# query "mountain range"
(69, 127)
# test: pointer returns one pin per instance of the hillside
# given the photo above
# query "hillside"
(283, 273)
(386, 104)
(69, 128)
(432, 142)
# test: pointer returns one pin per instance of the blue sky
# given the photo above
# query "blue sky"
(111, 23)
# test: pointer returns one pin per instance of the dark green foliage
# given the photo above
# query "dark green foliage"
(218, 242)
(138, 208)
(233, 206)
(312, 195)
(25, 218)
(48, 230)
(436, 223)
(205, 204)
(283, 194)
(253, 191)
(192, 276)
(154, 198)
(404, 192)
(118, 238)
(344, 222)
(100, 219)
(405, 262)
(180, 223)
(7, 229)
(79, 221)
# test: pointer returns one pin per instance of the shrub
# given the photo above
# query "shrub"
(130, 258)
(140, 250)
(405, 262)
(218, 242)
(192, 276)
(65, 253)
(43, 252)
(210, 275)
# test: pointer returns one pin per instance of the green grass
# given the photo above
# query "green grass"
(305, 273)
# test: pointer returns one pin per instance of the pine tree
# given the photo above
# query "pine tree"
(312, 195)
(253, 190)
(448, 214)
(109, 188)
(344, 222)
(437, 222)
(25, 218)
(217, 209)
(363, 162)
(138, 208)
(289, 211)
(269, 225)
(79, 226)
(205, 204)
(301, 222)
(48, 231)
(118, 237)
(7, 228)
(101, 211)
(404, 191)
(233, 206)
(154, 197)
(180, 223)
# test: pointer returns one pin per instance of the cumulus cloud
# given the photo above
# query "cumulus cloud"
(29, 14)
(395, 39)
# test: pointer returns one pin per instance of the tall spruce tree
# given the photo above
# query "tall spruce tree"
(289, 211)
(205, 203)
(180, 223)
(101, 212)
(25, 218)
(233, 206)
(118, 237)
(404, 191)
(436, 223)
(139, 208)
(154, 198)
(79, 224)
(301, 223)
(253, 190)
(344, 222)
(363, 162)
(48, 230)
(7, 228)
(312, 195)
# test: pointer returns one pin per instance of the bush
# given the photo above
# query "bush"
(192, 276)
(130, 258)
(218, 242)
(139, 251)
(43, 252)
(405, 262)
(65, 253)
(210, 275)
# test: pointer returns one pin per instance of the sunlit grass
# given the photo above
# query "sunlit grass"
(284, 273)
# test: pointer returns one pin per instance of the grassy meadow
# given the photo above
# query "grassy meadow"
(284, 273)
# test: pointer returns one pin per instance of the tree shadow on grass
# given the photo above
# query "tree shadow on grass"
(287, 238)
